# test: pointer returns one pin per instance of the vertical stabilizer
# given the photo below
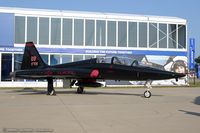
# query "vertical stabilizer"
(32, 58)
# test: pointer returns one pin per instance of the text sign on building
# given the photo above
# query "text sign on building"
(191, 53)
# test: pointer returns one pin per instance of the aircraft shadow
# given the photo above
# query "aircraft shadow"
(117, 93)
(30, 91)
(190, 113)
(197, 100)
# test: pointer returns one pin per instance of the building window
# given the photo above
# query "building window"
(43, 30)
(66, 58)
(54, 59)
(89, 57)
(19, 29)
(45, 58)
(32, 29)
(78, 32)
(18, 61)
(143, 35)
(172, 36)
(122, 34)
(6, 67)
(181, 36)
(78, 58)
(55, 31)
(132, 34)
(100, 33)
(89, 32)
(153, 35)
(111, 33)
(162, 35)
(67, 32)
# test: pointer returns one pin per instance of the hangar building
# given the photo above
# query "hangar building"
(65, 36)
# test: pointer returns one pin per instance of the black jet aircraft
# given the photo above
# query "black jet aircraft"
(85, 73)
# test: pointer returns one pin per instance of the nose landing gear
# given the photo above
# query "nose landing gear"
(147, 93)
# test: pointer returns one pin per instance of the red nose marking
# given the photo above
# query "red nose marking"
(94, 73)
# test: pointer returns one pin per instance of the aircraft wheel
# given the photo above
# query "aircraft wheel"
(147, 94)
(80, 90)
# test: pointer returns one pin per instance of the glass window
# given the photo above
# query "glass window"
(6, 67)
(111, 33)
(78, 32)
(66, 58)
(45, 58)
(153, 35)
(89, 56)
(143, 35)
(78, 58)
(99, 56)
(43, 30)
(132, 37)
(32, 29)
(67, 32)
(54, 59)
(55, 31)
(162, 36)
(181, 36)
(122, 34)
(18, 61)
(172, 36)
(89, 32)
(100, 33)
(19, 29)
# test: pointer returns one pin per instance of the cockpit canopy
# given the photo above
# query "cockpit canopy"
(119, 60)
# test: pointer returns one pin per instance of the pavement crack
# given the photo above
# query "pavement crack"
(73, 115)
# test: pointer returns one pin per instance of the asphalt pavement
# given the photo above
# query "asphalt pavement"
(111, 110)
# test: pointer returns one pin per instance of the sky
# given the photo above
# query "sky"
(187, 9)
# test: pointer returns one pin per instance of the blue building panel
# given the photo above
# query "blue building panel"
(97, 51)
(6, 30)
(191, 54)
(198, 72)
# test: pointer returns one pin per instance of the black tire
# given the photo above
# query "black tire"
(52, 93)
(147, 94)
(80, 90)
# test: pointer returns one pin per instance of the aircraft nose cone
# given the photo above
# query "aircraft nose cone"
(179, 75)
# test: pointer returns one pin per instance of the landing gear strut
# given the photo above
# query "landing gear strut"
(50, 89)
(147, 93)
(80, 90)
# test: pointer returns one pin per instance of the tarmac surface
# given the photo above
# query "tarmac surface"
(120, 110)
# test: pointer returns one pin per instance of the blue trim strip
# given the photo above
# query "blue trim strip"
(98, 51)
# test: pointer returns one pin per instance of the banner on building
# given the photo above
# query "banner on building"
(198, 74)
(191, 54)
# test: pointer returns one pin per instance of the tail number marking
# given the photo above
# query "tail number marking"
(34, 61)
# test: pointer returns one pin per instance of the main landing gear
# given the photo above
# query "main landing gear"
(147, 93)
(50, 89)
(80, 90)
